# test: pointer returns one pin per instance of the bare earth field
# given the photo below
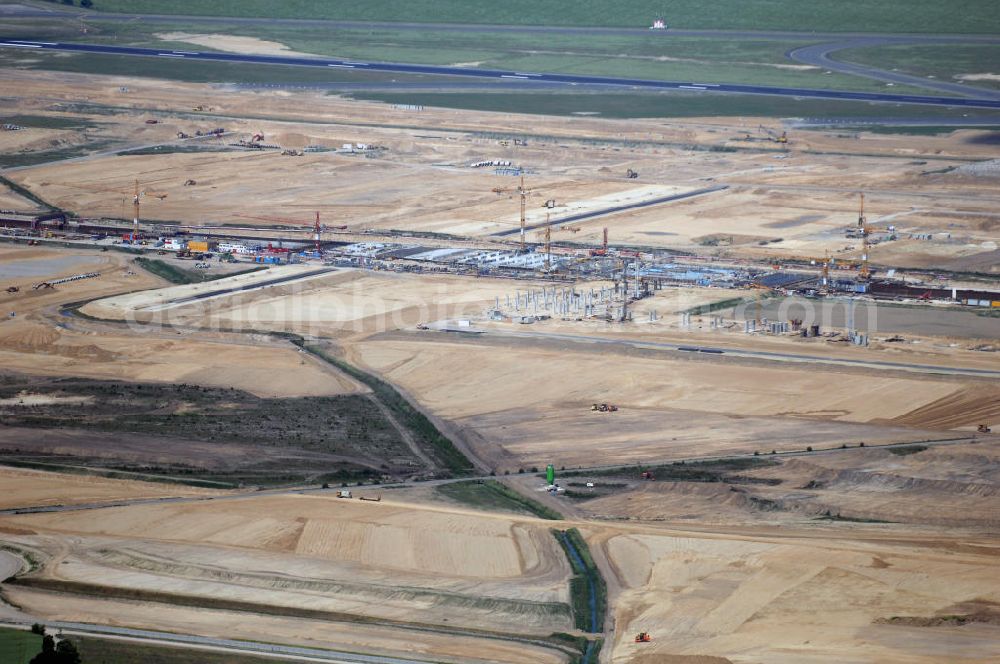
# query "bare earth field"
(37, 340)
(707, 408)
(806, 548)
(800, 600)
(798, 200)
(31, 487)
(320, 554)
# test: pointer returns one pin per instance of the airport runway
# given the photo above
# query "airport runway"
(502, 75)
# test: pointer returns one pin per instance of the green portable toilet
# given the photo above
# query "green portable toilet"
(550, 474)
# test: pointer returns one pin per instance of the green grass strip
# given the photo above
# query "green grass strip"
(585, 572)
(27, 193)
(178, 275)
(18, 646)
(491, 494)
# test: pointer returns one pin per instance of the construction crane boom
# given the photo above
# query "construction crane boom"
(865, 273)
(548, 244)
(523, 193)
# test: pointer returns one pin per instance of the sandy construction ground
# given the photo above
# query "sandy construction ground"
(340, 302)
(387, 560)
(918, 487)
(746, 592)
(860, 555)
(39, 341)
(526, 401)
(298, 631)
(530, 402)
(26, 488)
(787, 600)
(798, 201)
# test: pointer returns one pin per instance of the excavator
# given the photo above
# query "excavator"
(643, 637)
(984, 428)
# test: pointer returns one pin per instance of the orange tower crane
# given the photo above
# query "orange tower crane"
(317, 227)
(865, 273)
(135, 205)
(316, 232)
(548, 244)
(523, 193)
(137, 194)
(825, 284)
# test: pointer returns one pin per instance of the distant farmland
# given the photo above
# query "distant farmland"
(961, 16)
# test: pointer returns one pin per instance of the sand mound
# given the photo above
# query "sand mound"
(966, 407)
(30, 338)
(679, 659)
(380, 536)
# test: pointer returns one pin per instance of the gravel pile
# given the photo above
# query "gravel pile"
(988, 169)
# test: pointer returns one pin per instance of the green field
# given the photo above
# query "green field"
(494, 496)
(18, 646)
(760, 61)
(108, 651)
(943, 62)
(960, 16)
(188, 70)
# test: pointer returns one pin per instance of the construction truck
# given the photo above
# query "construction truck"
(773, 135)
(643, 637)
(647, 475)
(344, 493)
(604, 408)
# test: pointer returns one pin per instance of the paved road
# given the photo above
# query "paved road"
(229, 645)
(502, 75)
(755, 354)
(613, 210)
(819, 55)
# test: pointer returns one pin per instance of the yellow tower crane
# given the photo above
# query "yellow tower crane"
(523, 193)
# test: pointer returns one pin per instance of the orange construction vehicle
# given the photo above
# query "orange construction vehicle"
(643, 637)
